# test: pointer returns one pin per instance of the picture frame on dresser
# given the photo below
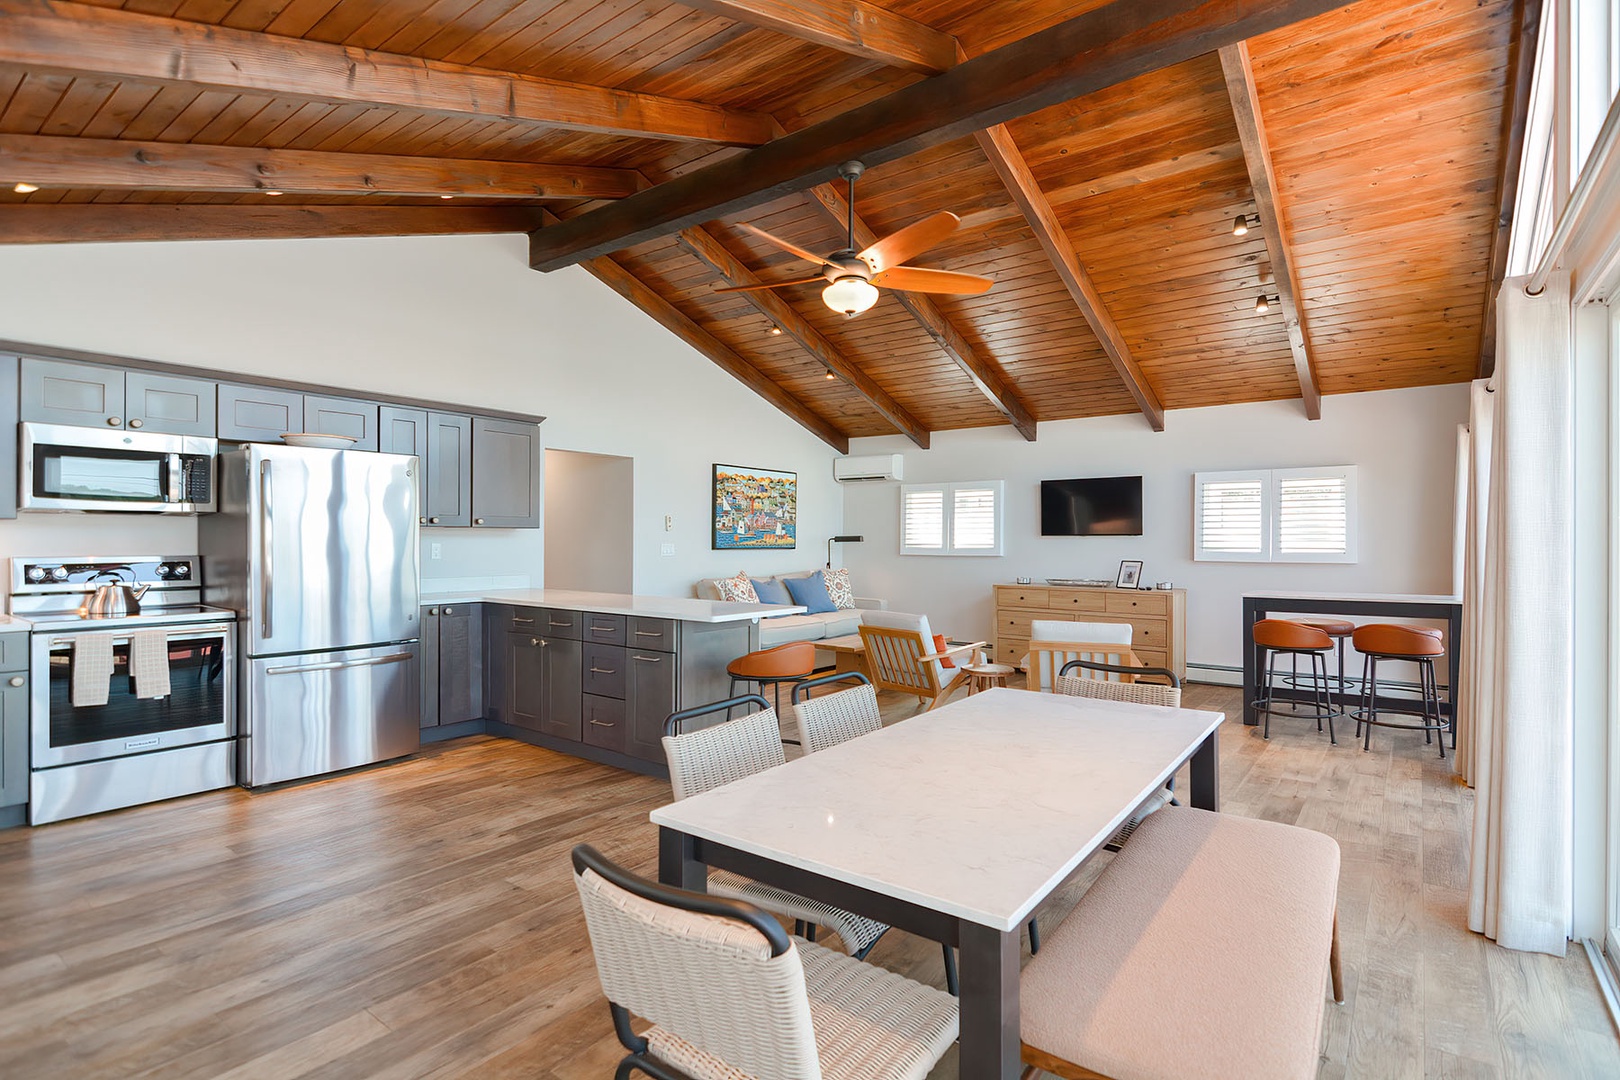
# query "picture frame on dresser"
(1130, 574)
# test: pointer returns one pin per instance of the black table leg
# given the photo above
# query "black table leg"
(678, 864)
(991, 1047)
(1206, 774)
(1251, 664)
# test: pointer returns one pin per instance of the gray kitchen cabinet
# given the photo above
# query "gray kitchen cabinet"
(505, 474)
(430, 665)
(447, 495)
(561, 715)
(13, 719)
(258, 413)
(342, 416)
(402, 431)
(9, 374)
(60, 392)
(604, 725)
(604, 672)
(650, 695)
(523, 697)
(452, 664)
(171, 404)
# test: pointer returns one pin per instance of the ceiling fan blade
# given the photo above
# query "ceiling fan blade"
(914, 239)
(772, 285)
(916, 279)
(792, 249)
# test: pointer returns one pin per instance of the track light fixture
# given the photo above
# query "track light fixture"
(23, 188)
(774, 331)
(830, 375)
(1243, 223)
(1263, 303)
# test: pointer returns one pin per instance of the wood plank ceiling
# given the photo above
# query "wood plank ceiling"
(1096, 153)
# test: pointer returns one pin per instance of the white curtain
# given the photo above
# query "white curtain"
(1515, 736)
(1473, 696)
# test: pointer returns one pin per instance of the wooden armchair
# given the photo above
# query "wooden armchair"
(900, 656)
(1055, 643)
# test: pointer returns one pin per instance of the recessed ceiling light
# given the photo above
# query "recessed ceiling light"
(446, 196)
(272, 193)
(25, 189)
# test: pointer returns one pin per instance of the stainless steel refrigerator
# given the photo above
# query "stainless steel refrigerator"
(316, 551)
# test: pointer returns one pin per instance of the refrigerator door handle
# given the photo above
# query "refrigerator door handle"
(338, 665)
(266, 541)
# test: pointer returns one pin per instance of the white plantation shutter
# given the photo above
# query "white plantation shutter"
(973, 519)
(922, 520)
(1231, 517)
(1278, 515)
(951, 519)
(1315, 512)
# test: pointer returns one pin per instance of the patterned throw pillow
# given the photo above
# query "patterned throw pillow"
(738, 588)
(838, 588)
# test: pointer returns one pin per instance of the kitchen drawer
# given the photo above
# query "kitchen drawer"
(526, 620)
(656, 634)
(604, 629)
(605, 724)
(603, 670)
(1021, 597)
(1132, 603)
(14, 651)
(1076, 600)
(563, 624)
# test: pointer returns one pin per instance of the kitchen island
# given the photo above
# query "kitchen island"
(586, 673)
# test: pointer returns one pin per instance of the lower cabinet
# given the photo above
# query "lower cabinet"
(562, 713)
(649, 698)
(14, 721)
(452, 664)
(604, 722)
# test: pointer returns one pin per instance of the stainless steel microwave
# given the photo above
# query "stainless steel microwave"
(75, 468)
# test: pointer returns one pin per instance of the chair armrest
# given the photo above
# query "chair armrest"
(871, 603)
(943, 653)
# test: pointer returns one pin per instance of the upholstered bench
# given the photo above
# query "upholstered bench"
(1202, 950)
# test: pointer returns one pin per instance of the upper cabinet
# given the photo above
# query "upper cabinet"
(342, 416)
(505, 474)
(448, 470)
(88, 395)
(258, 413)
(8, 438)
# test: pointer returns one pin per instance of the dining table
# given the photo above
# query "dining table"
(953, 825)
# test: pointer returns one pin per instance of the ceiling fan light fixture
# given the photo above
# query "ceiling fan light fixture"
(850, 295)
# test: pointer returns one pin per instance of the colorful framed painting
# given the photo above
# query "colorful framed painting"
(755, 508)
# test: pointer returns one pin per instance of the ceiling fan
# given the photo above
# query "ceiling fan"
(853, 276)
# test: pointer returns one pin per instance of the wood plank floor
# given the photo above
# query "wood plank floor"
(417, 920)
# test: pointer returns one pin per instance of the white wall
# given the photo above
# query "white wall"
(457, 319)
(1403, 440)
(590, 521)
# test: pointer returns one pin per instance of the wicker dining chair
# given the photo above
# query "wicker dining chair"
(1163, 694)
(714, 756)
(730, 994)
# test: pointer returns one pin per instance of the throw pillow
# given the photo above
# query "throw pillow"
(738, 588)
(839, 590)
(772, 591)
(812, 593)
(939, 646)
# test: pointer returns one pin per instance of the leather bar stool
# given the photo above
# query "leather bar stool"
(790, 663)
(1420, 645)
(1280, 637)
(1338, 630)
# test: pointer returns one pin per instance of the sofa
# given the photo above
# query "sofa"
(781, 629)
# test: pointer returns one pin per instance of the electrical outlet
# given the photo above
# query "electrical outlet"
(433, 551)
(667, 550)
(669, 523)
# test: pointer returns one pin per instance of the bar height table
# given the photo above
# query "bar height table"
(953, 825)
(1390, 606)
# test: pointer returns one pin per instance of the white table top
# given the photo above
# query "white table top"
(1401, 598)
(686, 609)
(978, 809)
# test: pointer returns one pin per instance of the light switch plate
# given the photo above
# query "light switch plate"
(434, 551)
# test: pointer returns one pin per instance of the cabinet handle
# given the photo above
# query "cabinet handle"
(15, 680)
(433, 521)
(433, 611)
(137, 424)
(601, 629)
(604, 671)
(648, 659)
(524, 622)
(649, 633)
(554, 622)
(478, 521)
(447, 610)
(113, 421)
(602, 723)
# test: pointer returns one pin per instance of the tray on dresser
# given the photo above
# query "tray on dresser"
(1089, 583)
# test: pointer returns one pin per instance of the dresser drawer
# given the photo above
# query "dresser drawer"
(605, 723)
(1010, 650)
(603, 629)
(603, 671)
(1131, 603)
(655, 634)
(1152, 657)
(1017, 623)
(1021, 597)
(1150, 633)
(1075, 600)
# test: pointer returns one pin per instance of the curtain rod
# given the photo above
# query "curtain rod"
(1575, 209)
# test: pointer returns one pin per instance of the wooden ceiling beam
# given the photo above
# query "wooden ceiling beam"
(111, 223)
(849, 26)
(1089, 52)
(986, 378)
(57, 161)
(1239, 73)
(1009, 164)
(708, 248)
(77, 39)
(1515, 118)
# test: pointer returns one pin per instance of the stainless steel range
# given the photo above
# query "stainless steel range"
(127, 708)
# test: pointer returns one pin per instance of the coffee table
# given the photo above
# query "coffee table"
(849, 654)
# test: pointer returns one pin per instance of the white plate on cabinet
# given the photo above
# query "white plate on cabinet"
(318, 442)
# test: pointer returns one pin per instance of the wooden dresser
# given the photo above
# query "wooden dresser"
(1159, 619)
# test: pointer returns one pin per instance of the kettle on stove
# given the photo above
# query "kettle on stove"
(116, 598)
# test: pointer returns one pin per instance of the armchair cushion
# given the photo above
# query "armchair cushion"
(812, 593)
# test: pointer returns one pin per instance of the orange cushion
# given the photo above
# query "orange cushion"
(939, 646)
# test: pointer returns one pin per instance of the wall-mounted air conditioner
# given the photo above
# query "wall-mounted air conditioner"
(861, 470)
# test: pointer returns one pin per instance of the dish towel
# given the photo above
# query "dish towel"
(92, 669)
(149, 663)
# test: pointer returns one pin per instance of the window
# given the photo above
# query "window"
(1276, 515)
(951, 519)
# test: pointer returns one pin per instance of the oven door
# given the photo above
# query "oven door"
(70, 468)
(201, 706)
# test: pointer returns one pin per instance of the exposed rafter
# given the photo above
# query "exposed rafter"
(76, 39)
(153, 166)
(850, 26)
(92, 223)
(1098, 49)
(709, 249)
(1251, 128)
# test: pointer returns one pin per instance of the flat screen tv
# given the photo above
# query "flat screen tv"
(1092, 506)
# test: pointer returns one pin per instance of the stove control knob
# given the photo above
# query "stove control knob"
(60, 573)
(36, 573)
(182, 570)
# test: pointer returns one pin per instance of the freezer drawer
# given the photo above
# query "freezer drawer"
(317, 713)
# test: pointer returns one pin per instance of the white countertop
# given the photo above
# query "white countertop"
(11, 622)
(685, 609)
(978, 809)
(1402, 598)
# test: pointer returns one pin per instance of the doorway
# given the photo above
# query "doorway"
(590, 521)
